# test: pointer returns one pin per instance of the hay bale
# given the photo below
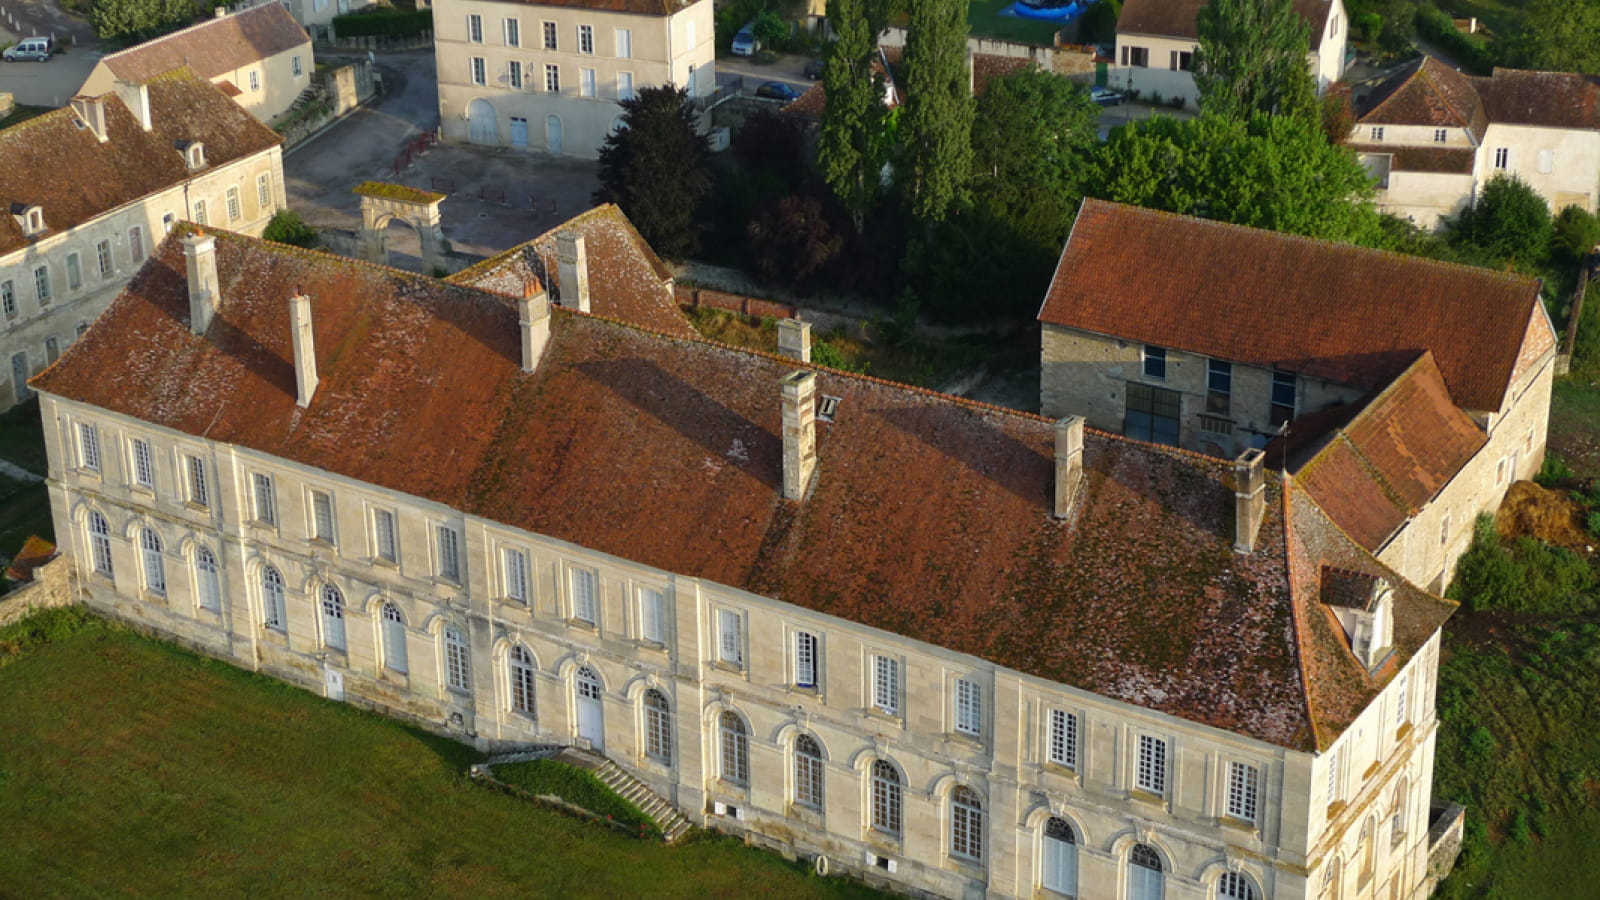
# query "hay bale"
(1550, 516)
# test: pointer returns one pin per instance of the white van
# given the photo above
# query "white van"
(37, 49)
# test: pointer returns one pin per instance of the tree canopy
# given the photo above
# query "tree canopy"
(936, 127)
(131, 21)
(1562, 36)
(1252, 59)
(655, 168)
(850, 144)
(1509, 223)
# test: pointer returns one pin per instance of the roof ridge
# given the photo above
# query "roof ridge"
(184, 31)
(1403, 82)
(1466, 120)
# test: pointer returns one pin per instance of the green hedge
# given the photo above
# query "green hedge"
(1437, 28)
(385, 23)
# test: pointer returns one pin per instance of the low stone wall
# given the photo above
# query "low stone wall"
(326, 38)
(337, 91)
(1444, 845)
(1063, 59)
(692, 297)
(51, 587)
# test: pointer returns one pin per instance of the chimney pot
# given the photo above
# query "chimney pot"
(200, 255)
(1069, 462)
(1249, 498)
(799, 432)
(534, 311)
(572, 264)
(794, 339)
(305, 355)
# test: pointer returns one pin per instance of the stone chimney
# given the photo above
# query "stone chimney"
(1249, 498)
(1069, 461)
(572, 264)
(136, 97)
(200, 253)
(534, 311)
(305, 354)
(799, 432)
(794, 339)
(91, 111)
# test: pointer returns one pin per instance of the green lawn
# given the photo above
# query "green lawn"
(985, 20)
(129, 767)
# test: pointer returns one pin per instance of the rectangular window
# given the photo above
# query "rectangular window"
(41, 284)
(199, 493)
(1444, 530)
(74, 272)
(8, 299)
(321, 516)
(1440, 135)
(1152, 414)
(295, 63)
(886, 684)
(730, 640)
(475, 29)
(550, 36)
(1136, 57)
(969, 707)
(1502, 157)
(1151, 774)
(584, 589)
(234, 212)
(586, 82)
(1401, 688)
(102, 256)
(624, 43)
(1242, 789)
(1547, 161)
(1063, 749)
(514, 75)
(1181, 61)
(136, 244)
(1155, 361)
(200, 212)
(515, 563)
(264, 191)
(166, 222)
(512, 30)
(586, 39)
(88, 446)
(449, 552)
(552, 79)
(1333, 777)
(1219, 386)
(255, 81)
(265, 497)
(52, 350)
(144, 470)
(479, 71)
(1377, 132)
(689, 29)
(624, 85)
(652, 615)
(805, 659)
(383, 536)
(1285, 388)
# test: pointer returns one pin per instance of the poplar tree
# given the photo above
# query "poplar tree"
(936, 127)
(1253, 59)
(849, 151)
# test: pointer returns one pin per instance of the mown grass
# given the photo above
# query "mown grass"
(130, 767)
(984, 19)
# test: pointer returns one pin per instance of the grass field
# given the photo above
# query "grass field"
(985, 20)
(128, 767)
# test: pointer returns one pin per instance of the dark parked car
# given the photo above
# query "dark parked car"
(777, 90)
(814, 69)
(1107, 96)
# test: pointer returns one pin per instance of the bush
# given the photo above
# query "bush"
(1552, 472)
(1437, 28)
(46, 626)
(1528, 576)
(286, 228)
(384, 23)
(1576, 231)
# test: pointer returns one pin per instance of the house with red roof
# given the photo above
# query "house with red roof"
(1433, 136)
(1404, 394)
(947, 647)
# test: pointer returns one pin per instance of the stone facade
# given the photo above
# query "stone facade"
(51, 587)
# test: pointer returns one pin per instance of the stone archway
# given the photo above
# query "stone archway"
(382, 202)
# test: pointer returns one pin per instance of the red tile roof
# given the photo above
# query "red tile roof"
(52, 162)
(1179, 18)
(627, 280)
(1441, 160)
(1427, 92)
(213, 47)
(1550, 99)
(930, 516)
(1332, 311)
(35, 552)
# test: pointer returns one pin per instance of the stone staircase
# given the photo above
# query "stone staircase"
(672, 823)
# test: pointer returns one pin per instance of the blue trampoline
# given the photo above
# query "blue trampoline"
(1048, 13)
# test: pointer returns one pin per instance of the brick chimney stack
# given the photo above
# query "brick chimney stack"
(534, 311)
(205, 295)
(1069, 462)
(1249, 498)
(305, 355)
(572, 264)
(794, 339)
(799, 432)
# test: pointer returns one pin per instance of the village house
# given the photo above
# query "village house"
(1404, 394)
(1432, 137)
(549, 75)
(1158, 40)
(92, 188)
(944, 646)
(261, 57)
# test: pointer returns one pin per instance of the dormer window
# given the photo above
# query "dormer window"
(194, 153)
(1364, 606)
(30, 218)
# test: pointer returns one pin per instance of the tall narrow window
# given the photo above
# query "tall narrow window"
(1059, 871)
(1440, 135)
(266, 498)
(586, 83)
(200, 212)
(735, 742)
(100, 543)
(515, 563)
(1145, 878)
(1063, 749)
(1285, 387)
(383, 535)
(552, 78)
(322, 516)
(8, 299)
(730, 640)
(102, 257)
(969, 707)
(583, 595)
(199, 493)
(1364, 842)
(296, 67)
(1219, 386)
(586, 39)
(625, 86)
(966, 825)
(652, 615)
(234, 209)
(272, 606)
(1377, 132)
(807, 772)
(88, 446)
(255, 81)
(514, 76)
(1401, 688)
(74, 272)
(475, 29)
(155, 570)
(550, 36)
(513, 33)
(1233, 886)
(522, 681)
(1242, 788)
(479, 70)
(805, 659)
(394, 638)
(457, 667)
(1151, 774)
(886, 797)
(264, 190)
(1155, 361)
(52, 349)
(624, 43)
(886, 684)
(332, 617)
(657, 727)
(207, 580)
(1397, 814)
(41, 284)
(449, 552)
(1333, 776)
(136, 244)
(144, 470)
(1502, 157)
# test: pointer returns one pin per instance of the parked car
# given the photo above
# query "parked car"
(777, 90)
(1107, 96)
(35, 49)
(814, 69)
(744, 41)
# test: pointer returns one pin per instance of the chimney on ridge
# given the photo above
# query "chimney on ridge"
(799, 432)
(534, 311)
(136, 97)
(1069, 461)
(794, 339)
(305, 355)
(200, 254)
(572, 265)
(1249, 498)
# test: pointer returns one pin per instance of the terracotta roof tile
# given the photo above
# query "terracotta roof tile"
(1334, 311)
(53, 162)
(1445, 160)
(35, 552)
(1550, 99)
(1355, 590)
(1178, 18)
(987, 66)
(213, 47)
(1427, 92)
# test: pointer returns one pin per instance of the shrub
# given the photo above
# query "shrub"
(1528, 576)
(1436, 27)
(1552, 472)
(1576, 232)
(286, 228)
(46, 626)
(384, 23)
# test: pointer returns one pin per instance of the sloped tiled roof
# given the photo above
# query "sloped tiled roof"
(1333, 311)
(1179, 18)
(929, 517)
(627, 281)
(212, 47)
(1426, 92)
(1393, 457)
(35, 552)
(1440, 160)
(52, 162)
(1550, 99)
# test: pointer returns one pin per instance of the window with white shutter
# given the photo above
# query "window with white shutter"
(805, 659)
(1063, 739)
(969, 707)
(730, 640)
(1151, 772)
(1243, 784)
(886, 684)
(652, 615)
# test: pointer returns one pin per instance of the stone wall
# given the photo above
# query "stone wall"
(691, 297)
(51, 587)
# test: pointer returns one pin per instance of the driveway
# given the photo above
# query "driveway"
(789, 67)
(51, 83)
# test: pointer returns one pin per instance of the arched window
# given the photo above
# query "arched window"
(394, 638)
(457, 666)
(1397, 814)
(155, 571)
(657, 726)
(885, 796)
(205, 577)
(272, 598)
(735, 748)
(1233, 886)
(332, 617)
(966, 824)
(100, 543)
(1145, 881)
(1059, 868)
(1333, 880)
(807, 772)
(1367, 851)
(522, 699)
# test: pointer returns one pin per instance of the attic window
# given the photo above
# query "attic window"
(194, 153)
(827, 405)
(30, 218)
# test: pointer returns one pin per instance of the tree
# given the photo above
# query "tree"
(655, 168)
(1509, 223)
(1576, 233)
(792, 240)
(131, 21)
(936, 128)
(850, 153)
(1252, 59)
(1559, 35)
